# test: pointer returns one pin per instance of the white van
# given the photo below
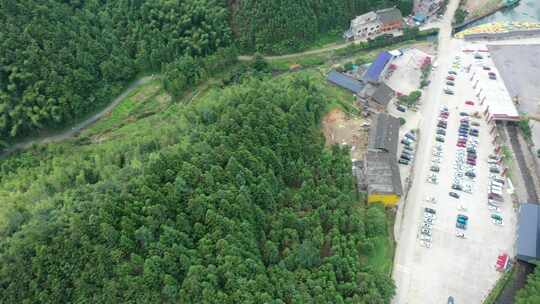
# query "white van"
(496, 191)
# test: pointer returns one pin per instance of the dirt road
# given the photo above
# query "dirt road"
(295, 55)
(80, 126)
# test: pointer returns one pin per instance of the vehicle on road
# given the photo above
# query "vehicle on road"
(492, 75)
(461, 221)
(470, 103)
(486, 68)
(453, 194)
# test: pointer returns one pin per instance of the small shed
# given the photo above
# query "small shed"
(419, 17)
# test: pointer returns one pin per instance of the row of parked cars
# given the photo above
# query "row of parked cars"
(466, 156)
(407, 153)
(495, 189)
(452, 74)
(426, 229)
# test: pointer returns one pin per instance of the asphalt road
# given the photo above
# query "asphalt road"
(63, 135)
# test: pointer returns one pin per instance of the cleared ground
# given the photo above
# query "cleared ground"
(339, 128)
(462, 268)
(406, 76)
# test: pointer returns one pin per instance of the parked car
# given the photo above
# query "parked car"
(403, 161)
(470, 174)
(450, 78)
(434, 169)
(401, 108)
(449, 92)
(470, 103)
(406, 157)
(486, 68)
(463, 113)
(453, 194)
(492, 75)
(452, 72)
(439, 139)
(450, 83)
(406, 141)
(441, 132)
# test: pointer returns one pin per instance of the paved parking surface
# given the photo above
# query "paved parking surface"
(462, 268)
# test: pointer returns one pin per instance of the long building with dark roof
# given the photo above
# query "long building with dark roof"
(378, 174)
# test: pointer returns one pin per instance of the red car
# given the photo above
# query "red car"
(468, 102)
(460, 145)
(450, 78)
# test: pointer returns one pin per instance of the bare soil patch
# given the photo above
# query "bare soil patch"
(339, 128)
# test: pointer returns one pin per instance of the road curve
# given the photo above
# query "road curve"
(79, 126)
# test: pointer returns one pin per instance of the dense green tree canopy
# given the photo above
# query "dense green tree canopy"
(62, 59)
(277, 26)
(245, 205)
(530, 294)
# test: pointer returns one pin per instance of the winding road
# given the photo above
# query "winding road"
(63, 135)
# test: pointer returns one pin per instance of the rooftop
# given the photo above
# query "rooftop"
(376, 68)
(363, 19)
(384, 134)
(345, 82)
(383, 94)
(528, 243)
(389, 15)
(382, 173)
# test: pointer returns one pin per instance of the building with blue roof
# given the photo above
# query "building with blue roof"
(345, 82)
(375, 70)
(528, 233)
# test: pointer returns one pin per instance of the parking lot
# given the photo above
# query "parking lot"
(453, 253)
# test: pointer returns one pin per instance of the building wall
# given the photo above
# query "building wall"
(392, 26)
(389, 200)
(366, 30)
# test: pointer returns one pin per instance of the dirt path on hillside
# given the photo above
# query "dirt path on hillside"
(63, 135)
(330, 47)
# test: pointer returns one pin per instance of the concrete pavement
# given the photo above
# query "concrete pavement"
(462, 268)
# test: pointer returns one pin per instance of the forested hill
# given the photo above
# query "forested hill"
(279, 26)
(243, 205)
(61, 59)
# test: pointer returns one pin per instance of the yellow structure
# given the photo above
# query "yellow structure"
(378, 173)
(389, 199)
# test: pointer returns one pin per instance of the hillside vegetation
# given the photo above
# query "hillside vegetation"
(234, 201)
(530, 294)
(276, 26)
(62, 59)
